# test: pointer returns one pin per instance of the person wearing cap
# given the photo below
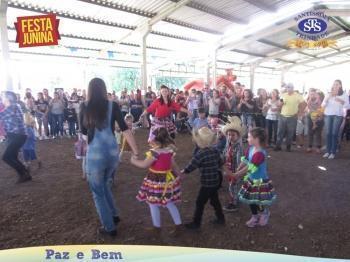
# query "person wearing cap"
(292, 105)
(207, 159)
(12, 119)
(233, 152)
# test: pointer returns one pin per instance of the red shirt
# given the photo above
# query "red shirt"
(161, 111)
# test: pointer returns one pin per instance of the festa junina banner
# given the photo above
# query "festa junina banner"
(94, 253)
(39, 30)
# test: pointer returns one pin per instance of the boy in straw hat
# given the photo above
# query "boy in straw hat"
(207, 159)
(233, 152)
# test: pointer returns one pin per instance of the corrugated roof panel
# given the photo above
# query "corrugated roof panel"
(184, 31)
(173, 44)
(271, 63)
(343, 42)
(340, 58)
(319, 63)
(150, 5)
(281, 37)
(318, 51)
(70, 26)
(259, 48)
(294, 57)
(237, 8)
(234, 57)
(88, 10)
(196, 17)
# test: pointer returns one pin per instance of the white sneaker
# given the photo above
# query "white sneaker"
(331, 156)
(326, 155)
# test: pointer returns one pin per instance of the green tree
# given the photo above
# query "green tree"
(128, 78)
(171, 82)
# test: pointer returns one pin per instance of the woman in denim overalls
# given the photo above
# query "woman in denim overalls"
(102, 154)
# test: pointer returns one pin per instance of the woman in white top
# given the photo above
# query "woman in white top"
(214, 103)
(273, 110)
(334, 105)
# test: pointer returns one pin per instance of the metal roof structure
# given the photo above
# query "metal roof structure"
(184, 31)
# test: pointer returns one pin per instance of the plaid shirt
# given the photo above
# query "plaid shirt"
(12, 119)
(209, 162)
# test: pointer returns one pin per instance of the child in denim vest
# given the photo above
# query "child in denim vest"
(233, 152)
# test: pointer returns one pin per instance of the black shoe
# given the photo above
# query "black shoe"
(218, 221)
(101, 231)
(23, 179)
(289, 149)
(192, 226)
(277, 148)
(116, 220)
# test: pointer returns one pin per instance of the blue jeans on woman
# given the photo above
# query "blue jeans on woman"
(100, 184)
(332, 124)
(57, 120)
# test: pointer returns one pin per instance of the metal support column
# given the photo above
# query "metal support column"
(5, 45)
(144, 75)
(214, 68)
(208, 74)
(252, 76)
(283, 72)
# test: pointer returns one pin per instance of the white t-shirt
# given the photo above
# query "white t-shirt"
(214, 107)
(333, 107)
(272, 115)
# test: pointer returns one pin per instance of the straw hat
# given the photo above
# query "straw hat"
(234, 123)
(203, 137)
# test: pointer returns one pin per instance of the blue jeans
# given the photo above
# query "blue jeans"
(72, 129)
(332, 124)
(57, 121)
(101, 187)
(247, 120)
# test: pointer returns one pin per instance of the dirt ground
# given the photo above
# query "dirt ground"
(310, 218)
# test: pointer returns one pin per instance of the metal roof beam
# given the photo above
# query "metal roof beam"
(268, 42)
(334, 36)
(214, 12)
(333, 64)
(273, 29)
(262, 6)
(321, 57)
(337, 12)
(260, 55)
(248, 53)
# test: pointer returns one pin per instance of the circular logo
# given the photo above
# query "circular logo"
(312, 25)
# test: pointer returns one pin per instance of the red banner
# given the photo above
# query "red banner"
(39, 30)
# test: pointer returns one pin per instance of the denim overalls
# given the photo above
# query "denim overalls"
(102, 159)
